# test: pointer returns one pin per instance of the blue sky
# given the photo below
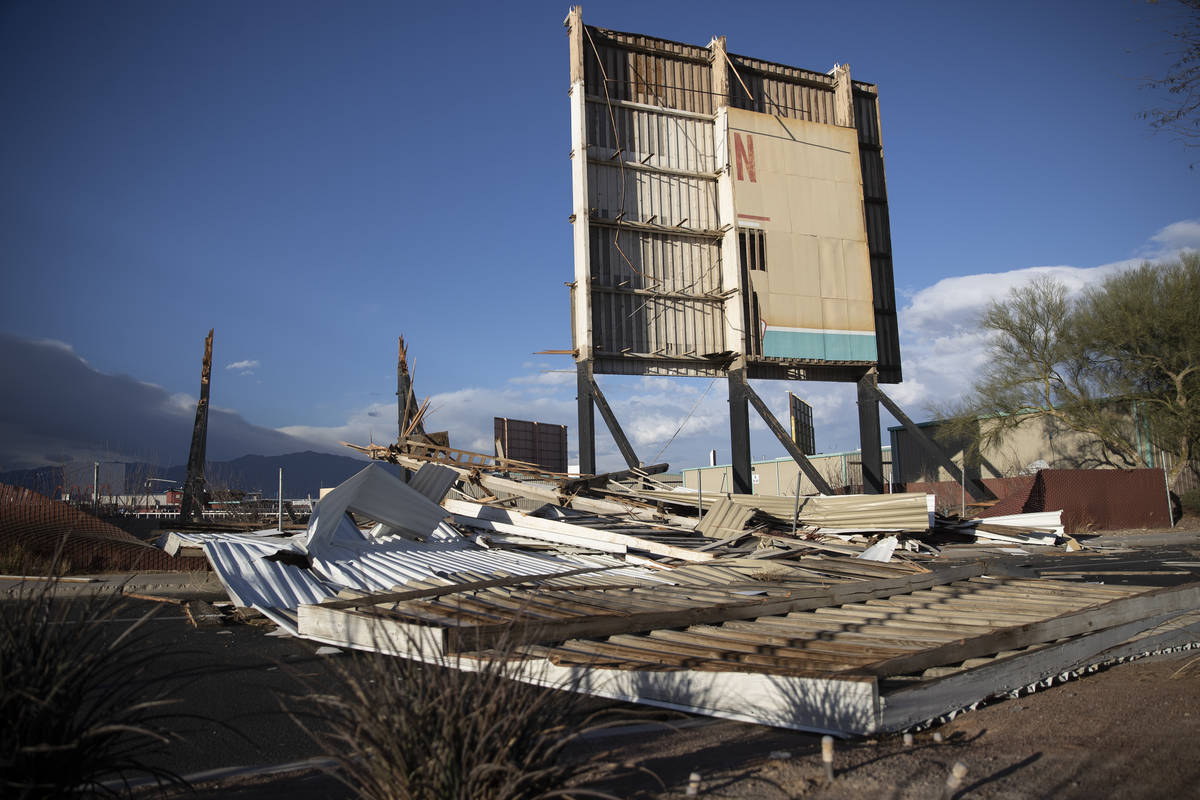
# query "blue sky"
(315, 179)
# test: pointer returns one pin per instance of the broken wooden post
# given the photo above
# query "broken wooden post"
(954, 779)
(193, 485)
(406, 401)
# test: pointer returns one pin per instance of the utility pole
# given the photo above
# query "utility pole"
(193, 486)
(281, 499)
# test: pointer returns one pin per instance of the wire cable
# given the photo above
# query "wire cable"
(704, 394)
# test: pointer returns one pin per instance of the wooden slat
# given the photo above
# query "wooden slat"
(1115, 612)
(438, 591)
(519, 632)
(930, 699)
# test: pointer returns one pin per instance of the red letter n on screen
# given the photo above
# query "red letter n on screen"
(743, 155)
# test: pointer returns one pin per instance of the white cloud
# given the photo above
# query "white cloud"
(1168, 241)
(59, 345)
(940, 341)
(180, 403)
(545, 378)
(375, 423)
(246, 367)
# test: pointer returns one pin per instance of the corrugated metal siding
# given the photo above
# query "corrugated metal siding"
(433, 481)
(724, 518)
(781, 90)
(652, 197)
(653, 139)
(657, 169)
(646, 70)
(277, 589)
(541, 443)
(623, 319)
(667, 262)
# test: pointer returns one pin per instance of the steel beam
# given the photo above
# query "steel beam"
(739, 430)
(973, 485)
(868, 434)
(614, 427)
(587, 417)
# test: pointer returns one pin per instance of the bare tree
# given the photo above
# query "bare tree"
(1181, 83)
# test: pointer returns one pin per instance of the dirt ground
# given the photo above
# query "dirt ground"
(1128, 731)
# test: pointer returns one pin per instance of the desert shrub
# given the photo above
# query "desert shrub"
(1190, 500)
(406, 730)
(79, 707)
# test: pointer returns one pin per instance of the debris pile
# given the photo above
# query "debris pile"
(848, 614)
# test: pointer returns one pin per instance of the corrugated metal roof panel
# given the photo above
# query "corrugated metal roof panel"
(724, 518)
(277, 589)
(433, 481)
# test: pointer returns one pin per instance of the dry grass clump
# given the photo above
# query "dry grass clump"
(78, 706)
(406, 730)
(16, 559)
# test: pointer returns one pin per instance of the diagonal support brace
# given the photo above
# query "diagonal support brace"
(974, 486)
(795, 452)
(614, 427)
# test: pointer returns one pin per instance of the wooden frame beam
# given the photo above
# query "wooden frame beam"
(1107, 615)
(467, 638)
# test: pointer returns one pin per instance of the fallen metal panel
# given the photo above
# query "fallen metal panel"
(254, 582)
(910, 707)
(379, 495)
(271, 587)
(786, 669)
(800, 703)
(907, 511)
(535, 526)
(433, 481)
(1119, 611)
(724, 518)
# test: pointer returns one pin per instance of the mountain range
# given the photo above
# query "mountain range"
(304, 475)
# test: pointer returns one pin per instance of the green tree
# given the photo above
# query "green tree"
(1040, 369)
(1141, 331)
(1122, 358)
